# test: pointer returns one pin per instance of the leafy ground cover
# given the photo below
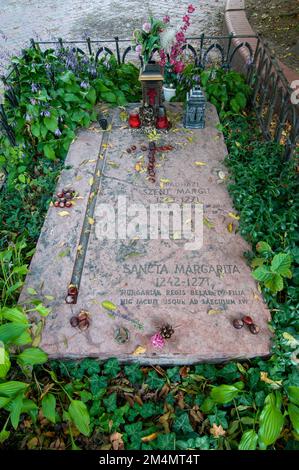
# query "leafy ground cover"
(88, 405)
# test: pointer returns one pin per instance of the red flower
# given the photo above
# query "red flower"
(186, 19)
(178, 67)
(191, 8)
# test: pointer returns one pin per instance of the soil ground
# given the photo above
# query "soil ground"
(277, 21)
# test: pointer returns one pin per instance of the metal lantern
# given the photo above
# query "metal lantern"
(194, 117)
(151, 79)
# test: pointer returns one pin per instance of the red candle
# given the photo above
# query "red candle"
(162, 122)
(134, 119)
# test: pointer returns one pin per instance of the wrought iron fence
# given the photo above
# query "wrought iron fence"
(271, 92)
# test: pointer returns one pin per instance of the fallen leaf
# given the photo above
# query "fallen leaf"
(168, 199)
(164, 420)
(217, 431)
(165, 180)
(213, 311)
(116, 441)
(176, 236)
(98, 173)
(184, 371)
(137, 167)
(293, 342)
(234, 216)
(139, 350)
(90, 220)
(221, 175)
(79, 178)
(64, 253)
(108, 305)
(150, 437)
(274, 383)
(32, 443)
(208, 223)
(63, 213)
(199, 163)
(230, 227)
(90, 181)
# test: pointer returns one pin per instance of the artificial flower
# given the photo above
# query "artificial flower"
(146, 27)
(157, 341)
(191, 8)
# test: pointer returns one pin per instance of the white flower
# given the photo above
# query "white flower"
(167, 39)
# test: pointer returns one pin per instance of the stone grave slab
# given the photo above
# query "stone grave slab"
(151, 282)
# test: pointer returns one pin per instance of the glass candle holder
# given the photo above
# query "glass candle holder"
(134, 119)
(162, 121)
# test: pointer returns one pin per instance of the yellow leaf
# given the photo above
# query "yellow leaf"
(123, 116)
(79, 177)
(234, 216)
(214, 311)
(98, 173)
(199, 163)
(108, 305)
(165, 180)
(137, 167)
(230, 227)
(101, 157)
(150, 437)
(90, 181)
(208, 223)
(190, 139)
(63, 213)
(274, 383)
(293, 342)
(90, 220)
(139, 350)
(79, 249)
(168, 199)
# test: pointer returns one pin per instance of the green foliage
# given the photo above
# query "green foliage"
(272, 274)
(227, 90)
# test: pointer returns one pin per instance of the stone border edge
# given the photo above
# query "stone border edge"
(236, 22)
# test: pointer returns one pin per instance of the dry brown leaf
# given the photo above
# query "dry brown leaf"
(264, 378)
(32, 443)
(180, 400)
(164, 391)
(217, 431)
(184, 371)
(196, 414)
(116, 441)
(150, 437)
(130, 399)
(164, 420)
(139, 350)
(63, 213)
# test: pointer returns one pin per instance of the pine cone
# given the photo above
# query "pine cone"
(166, 331)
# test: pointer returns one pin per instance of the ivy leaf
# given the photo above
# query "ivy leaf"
(110, 403)
(153, 381)
(79, 415)
(166, 441)
(133, 373)
(111, 368)
(182, 423)
(248, 440)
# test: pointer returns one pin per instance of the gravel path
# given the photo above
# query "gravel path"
(100, 19)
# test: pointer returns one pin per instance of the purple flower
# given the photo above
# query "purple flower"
(57, 132)
(45, 113)
(146, 27)
(27, 117)
(34, 88)
(84, 85)
(33, 101)
(157, 341)
(138, 48)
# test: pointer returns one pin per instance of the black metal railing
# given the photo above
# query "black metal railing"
(271, 92)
